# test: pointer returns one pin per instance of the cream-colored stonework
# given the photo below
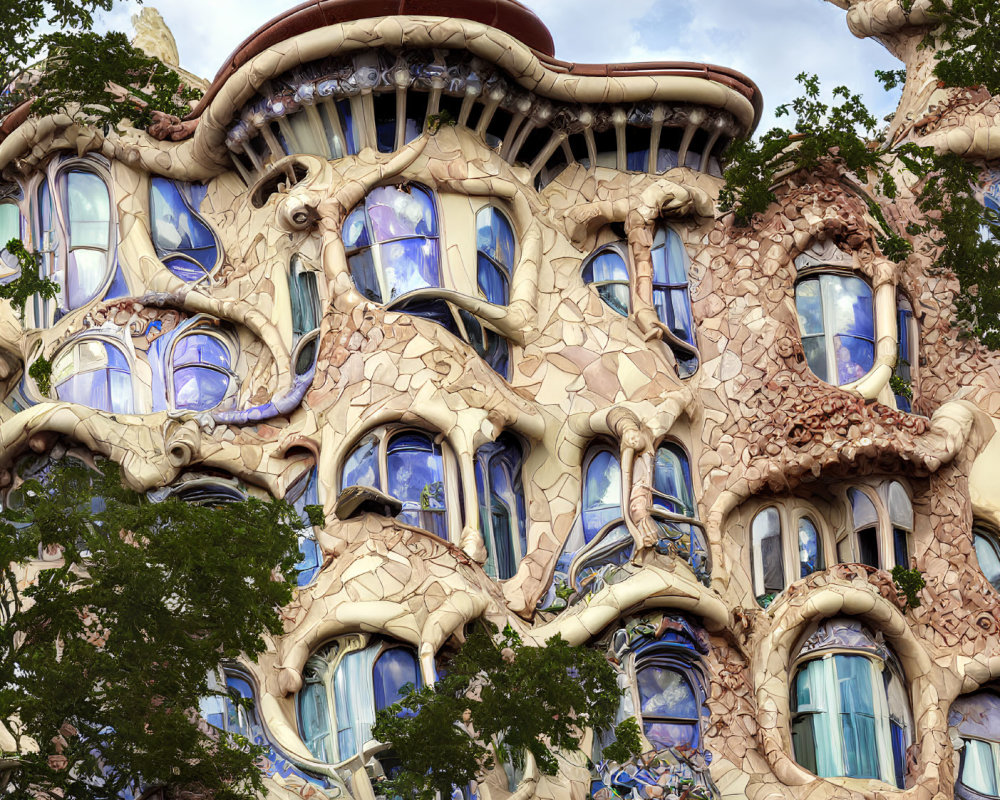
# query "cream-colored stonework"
(759, 429)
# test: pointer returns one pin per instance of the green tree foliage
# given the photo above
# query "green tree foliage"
(104, 656)
(497, 693)
(967, 41)
(98, 77)
(27, 284)
(908, 583)
(945, 183)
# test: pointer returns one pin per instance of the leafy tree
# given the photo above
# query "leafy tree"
(106, 652)
(845, 133)
(499, 694)
(100, 78)
(967, 41)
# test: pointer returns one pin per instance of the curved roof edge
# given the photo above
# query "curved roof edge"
(508, 16)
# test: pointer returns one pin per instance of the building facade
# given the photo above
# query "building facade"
(480, 305)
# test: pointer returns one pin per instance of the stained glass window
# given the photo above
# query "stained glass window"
(607, 272)
(391, 242)
(182, 239)
(201, 371)
(495, 254)
(837, 322)
(501, 505)
(94, 372)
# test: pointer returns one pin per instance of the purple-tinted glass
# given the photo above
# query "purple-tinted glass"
(607, 266)
(396, 214)
(361, 466)
(363, 274)
(409, 264)
(177, 230)
(671, 734)
(494, 236)
(199, 388)
(665, 692)
(200, 348)
(855, 357)
(355, 231)
(415, 476)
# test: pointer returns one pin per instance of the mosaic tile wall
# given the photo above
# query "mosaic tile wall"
(482, 307)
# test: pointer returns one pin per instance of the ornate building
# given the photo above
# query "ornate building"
(479, 304)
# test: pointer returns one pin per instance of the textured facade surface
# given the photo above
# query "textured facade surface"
(481, 306)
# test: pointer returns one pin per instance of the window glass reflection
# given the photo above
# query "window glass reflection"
(201, 371)
(602, 493)
(671, 295)
(495, 254)
(810, 548)
(391, 242)
(94, 373)
(837, 323)
(181, 238)
(502, 517)
(607, 272)
(415, 476)
(987, 554)
(767, 558)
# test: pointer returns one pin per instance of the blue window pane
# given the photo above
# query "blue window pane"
(670, 734)
(501, 504)
(200, 348)
(492, 282)
(178, 230)
(601, 493)
(809, 305)
(187, 270)
(409, 264)
(666, 692)
(394, 670)
(415, 476)
(363, 274)
(433, 309)
(199, 388)
(810, 554)
(356, 230)
(495, 236)
(607, 266)
(857, 713)
(395, 213)
(815, 352)
(361, 466)
(855, 357)
(672, 481)
(901, 547)
(849, 303)
(314, 721)
(492, 348)
(637, 160)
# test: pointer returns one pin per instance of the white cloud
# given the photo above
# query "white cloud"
(770, 41)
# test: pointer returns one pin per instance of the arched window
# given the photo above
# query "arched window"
(391, 242)
(305, 493)
(86, 204)
(501, 505)
(767, 555)
(608, 272)
(602, 491)
(901, 519)
(837, 321)
(976, 718)
(906, 359)
(94, 372)
(672, 481)
(850, 712)
(304, 293)
(671, 295)
(865, 519)
(200, 369)
(11, 227)
(987, 553)
(223, 712)
(495, 254)
(181, 238)
(344, 684)
(810, 548)
(410, 466)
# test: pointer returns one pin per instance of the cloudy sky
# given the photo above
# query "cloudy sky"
(769, 40)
